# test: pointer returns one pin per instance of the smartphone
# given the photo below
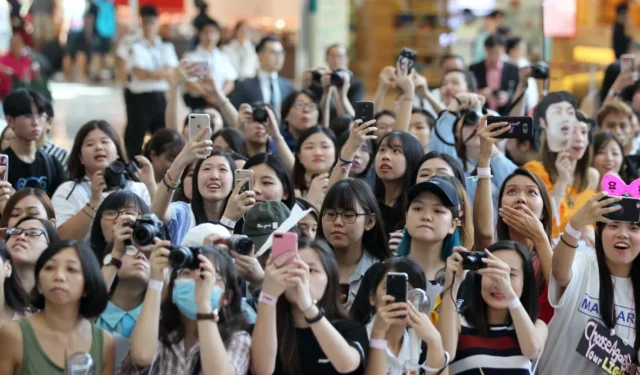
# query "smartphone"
(200, 68)
(284, 243)
(344, 291)
(627, 63)
(397, 286)
(407, 59)
(629, 210)
(241, 175)
(521, 126)
(4, 162)
(198, 121)
(364, 111)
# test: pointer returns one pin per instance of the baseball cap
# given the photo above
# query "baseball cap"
(263, 219)
(196, 235)
(441, 188)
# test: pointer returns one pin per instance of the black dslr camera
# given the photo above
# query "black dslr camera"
(471, 117)
(472, 260)
(336, 78)
(184, 257)
(240, 243)
(116, 172)
(259, 112)
(146, 229)
(540, 70)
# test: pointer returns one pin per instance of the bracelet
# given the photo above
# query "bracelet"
(480, 177)
(173, 184)
(156, 285)
(566, 243)
(267, 299)
(171, 179)
(484, 171)
(378, 344)
(227, 222)
(345, 161)
(317, 318)
(169, 187)
(85, 212)
(447, 358)
(514, 303)
(568, 229)
(91, 207)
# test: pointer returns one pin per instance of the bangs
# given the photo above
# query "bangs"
(393, 139)
(124, 199)
(342, 196)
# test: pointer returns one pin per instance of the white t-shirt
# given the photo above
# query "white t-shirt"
(408, 359)
(145, 55)
(578, 304)
(68, 203)
(219, 64)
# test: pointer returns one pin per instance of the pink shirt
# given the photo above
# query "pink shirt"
(494, 79)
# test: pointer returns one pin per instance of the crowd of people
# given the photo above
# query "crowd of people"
(269, 238)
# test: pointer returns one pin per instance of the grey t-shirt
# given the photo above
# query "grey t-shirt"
(574, 308)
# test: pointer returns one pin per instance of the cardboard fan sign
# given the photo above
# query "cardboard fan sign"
(558, 121)
(606, 351)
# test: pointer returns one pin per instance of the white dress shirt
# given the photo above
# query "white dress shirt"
(147, 56)
(219, 64)
(266, 80)
(123, 49)
(243, 58)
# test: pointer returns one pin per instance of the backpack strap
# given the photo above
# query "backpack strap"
(48, 165)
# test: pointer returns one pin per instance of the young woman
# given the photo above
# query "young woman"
(95, 147)
(500, 331)
(227, 140)
(308, 224)
(26, 242)
(299, 111)
(70, 292)
(162, 149)
(432, 226)
(397, 157)
(27, 202)
(362, 160)
(406, 331)
(315, 156)
(353, 226)
(201, 315)
(608, 157)
(434, 162)
(6, 138)
(185, 190)
(298, 334)
(568, 176)
(14, 301)
(600, 289)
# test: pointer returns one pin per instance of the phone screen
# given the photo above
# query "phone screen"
(4, 162)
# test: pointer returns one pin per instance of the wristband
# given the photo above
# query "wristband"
(91, 207)
(378, 344)
(156, 285)
(514, 303)
(227, 222)
(484, 171)
(267, 299)
(571, 231)
(436, 370)
(479, 177)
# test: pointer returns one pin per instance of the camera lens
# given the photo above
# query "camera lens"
(143, 234)
(260, 114)
(471, 118)
(180, 257)
(241, 244)
(336, 79)
(114, 175)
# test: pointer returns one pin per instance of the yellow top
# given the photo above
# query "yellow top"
(570, 203)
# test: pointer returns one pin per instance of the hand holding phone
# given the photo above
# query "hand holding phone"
(627, 63)
(197, 122)
(521, 126)
(364, 111)
(284, 249)
(407, 59)
(4, 164)
(242, 175)
(397, 284)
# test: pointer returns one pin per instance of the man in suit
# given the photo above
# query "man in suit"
(497, 79)
(266, 86)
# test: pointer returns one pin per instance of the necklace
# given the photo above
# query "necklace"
(569, 198)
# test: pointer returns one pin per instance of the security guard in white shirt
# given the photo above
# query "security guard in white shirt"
(152, 65)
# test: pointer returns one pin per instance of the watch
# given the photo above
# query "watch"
(110, 260)
(210, 316)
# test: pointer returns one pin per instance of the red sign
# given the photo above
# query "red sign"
(162, 5)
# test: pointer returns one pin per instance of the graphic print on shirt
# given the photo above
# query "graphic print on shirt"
(606, 350)
(33, 182)
(625, 316)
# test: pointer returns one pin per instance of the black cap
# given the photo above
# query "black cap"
(263, 219)
(441, 188)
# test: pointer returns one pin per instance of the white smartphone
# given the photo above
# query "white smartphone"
(243, 174)
(4, 162)
(198, 121)
(627, 63)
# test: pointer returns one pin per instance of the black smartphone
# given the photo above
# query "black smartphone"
(364, 111)
(629, 210)
(397, 286)
(521, 126)
(407, 58)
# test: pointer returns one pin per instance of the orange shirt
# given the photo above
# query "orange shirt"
(570, 203)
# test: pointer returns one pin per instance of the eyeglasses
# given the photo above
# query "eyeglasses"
(303, 105)
(42, 117)
(348, 217)
(29, 232)
(112, 214)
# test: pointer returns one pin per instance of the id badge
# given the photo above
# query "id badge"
(606, 351)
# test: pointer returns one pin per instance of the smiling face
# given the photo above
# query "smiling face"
(391, 164)
(97, 152)
(428, 219)
(621, 243)
(317, 153)
(61, 280)
(267, 185)
(215, 180)
(559, 121)
(619, 125)
(26, 249)
(490, 290)
(433, 167)
(522, 191)
(608, 158)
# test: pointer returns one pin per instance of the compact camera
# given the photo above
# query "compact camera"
(260, 112)
(472, 260)
(540, 70)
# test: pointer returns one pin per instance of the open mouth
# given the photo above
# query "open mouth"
(497, 296)
(621, 246)
(213, 186)
(385, 167)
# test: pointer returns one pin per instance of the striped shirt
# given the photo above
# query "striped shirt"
(497, 354)
(57, 153)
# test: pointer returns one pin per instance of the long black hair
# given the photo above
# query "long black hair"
(606, 294)
(281, 171)
(299, 169)
(14, 294)
(197, 202)
(346, 195)
(476, 313)
(361, 310)
(330, 302)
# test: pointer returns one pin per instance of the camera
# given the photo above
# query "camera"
(116, 172)
(260, 112)
(540, 70)
(471, 117)
(184, 257)
(336, 78)
(472, 260)
(240, 243)
(146, 229)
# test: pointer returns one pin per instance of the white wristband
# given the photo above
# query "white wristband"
(484, 171)
(514, 303)
(156, 285)
(568, 229)
(227, 222)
